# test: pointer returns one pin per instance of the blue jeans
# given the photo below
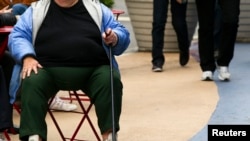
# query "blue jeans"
(19, 8)
(230, 18)
(178, 11)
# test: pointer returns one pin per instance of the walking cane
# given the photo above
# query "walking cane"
(117, 12)
(112, 90)
(112, 94)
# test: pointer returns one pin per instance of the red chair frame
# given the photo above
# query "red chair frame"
(79, 97)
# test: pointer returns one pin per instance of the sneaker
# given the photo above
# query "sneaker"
(34, 138)
(224, 74)
(2, 138)
(207, 76)
(110, 137)
(59, 104)
(157, 68)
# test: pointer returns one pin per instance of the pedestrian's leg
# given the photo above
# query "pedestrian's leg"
(160, 8)
(217, 26)
(230, 20)
(5, 106)
(6, 114)
(180, 26)
(205, 11)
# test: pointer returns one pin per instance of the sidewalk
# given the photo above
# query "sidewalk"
(168, 106)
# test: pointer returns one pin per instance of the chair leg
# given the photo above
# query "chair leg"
(54, 121)
(84, 112)
(17, 108)
(6, 135)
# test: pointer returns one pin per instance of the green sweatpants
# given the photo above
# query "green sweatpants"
(94, 81)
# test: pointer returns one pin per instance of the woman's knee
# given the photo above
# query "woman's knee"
(38, 84)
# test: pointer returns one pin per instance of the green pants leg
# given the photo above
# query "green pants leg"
(99, 91)
(35, 93)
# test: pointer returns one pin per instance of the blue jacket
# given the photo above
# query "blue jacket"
(23, 35)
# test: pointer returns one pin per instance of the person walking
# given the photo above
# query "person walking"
(230, 10)
(160, 11)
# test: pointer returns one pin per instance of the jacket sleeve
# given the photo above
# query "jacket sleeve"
(109, 21)
(20, 38)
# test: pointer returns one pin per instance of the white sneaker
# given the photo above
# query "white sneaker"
(61, 105)
(2, 137)
(34, 138)
(207, 76)
(224, 74)
(110, 137)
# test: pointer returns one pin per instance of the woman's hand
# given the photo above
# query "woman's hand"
(109, 37)
(30, 64)
(5, 10)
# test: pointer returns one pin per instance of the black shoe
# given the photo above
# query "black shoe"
(157, 68)
(184, 58)
(7, 19)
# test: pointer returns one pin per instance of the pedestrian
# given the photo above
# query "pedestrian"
(230, 11)
(160, 11)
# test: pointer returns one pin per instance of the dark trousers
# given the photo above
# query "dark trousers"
(229, 28)
(160, 11)
(6, 66)
(95, 81)
(217, 25)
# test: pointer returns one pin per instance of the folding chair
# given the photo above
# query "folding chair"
(117, 13)
(80, 97)
(6, 135)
